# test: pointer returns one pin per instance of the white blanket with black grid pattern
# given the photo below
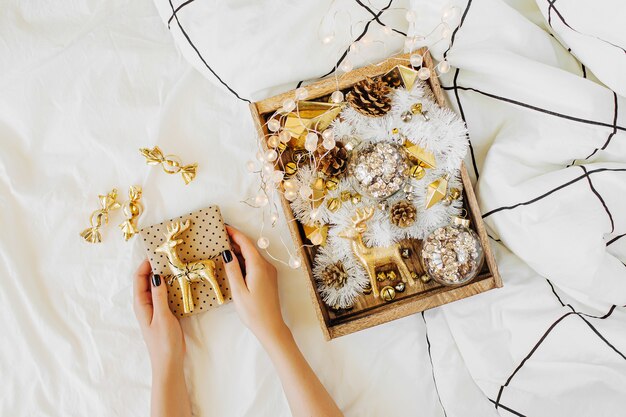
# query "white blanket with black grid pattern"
(85, 85)
(541, 86)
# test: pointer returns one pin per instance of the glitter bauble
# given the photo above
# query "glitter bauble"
(452, 255)
(378, 170)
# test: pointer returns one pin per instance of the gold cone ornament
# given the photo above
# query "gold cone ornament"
(437, 191)
(100, 217)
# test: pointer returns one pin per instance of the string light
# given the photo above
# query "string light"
(310, 142)
(284, 136)
(346, 66)
(294, 262)
(444, 67)
(271, 155)
(273, 125)
(336, 97)
(288, 105)
(416, 60)
(263, 242)
(423, 73)
(302, 93)
(271, 176)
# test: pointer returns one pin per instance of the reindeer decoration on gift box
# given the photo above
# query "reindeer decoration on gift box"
(186, 273)
(371, 258)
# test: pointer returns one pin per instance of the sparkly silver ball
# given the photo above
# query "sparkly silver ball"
(378, 170)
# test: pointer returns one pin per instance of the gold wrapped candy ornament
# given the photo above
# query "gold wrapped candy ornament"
(132, 210)
(171, 164)
(99, 217)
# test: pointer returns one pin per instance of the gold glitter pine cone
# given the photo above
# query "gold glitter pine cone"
(335, 162)
(403, 213)
(370, 97)
(335, 275)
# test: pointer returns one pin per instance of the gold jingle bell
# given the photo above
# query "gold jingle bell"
(290, 169)
(368, 289)
(425, 278)
(387, 293)
(417, 172)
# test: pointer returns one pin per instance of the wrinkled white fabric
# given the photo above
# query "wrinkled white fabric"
(83, 86)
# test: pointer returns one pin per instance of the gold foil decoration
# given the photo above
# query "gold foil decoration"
(132, 210)
(333, 204)
(453, 194)
(290, 169)
(171, 164)
(316, 233)
(331, 183)
(388, 293)
(436, 191)
(423, 157)
(406, 74)
(187, 272)
(381, 276)
(371, 258)
(319, 190)
(100, 217)
(417, 172)
(310, 115)
(346, 195)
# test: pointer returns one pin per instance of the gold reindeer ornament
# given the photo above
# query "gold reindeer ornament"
(186, 273)
(371, 258)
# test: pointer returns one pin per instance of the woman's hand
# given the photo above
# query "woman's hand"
(166, 345)
(256, 301)
(255, 291)
(160, 328)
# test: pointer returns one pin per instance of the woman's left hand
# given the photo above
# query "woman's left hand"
(160, 328)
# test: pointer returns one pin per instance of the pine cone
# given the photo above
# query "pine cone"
(370, 97)
(393, 78)
(403, 213)
(335, 275)
(335, 162)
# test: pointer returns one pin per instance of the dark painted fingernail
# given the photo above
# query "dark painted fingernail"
(156, 280)
(227, 255)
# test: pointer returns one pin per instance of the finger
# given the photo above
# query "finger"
(233, 273)
(142, 299)
(159, 296)
(248, 250)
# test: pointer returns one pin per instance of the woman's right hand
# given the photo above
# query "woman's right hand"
(255, 292)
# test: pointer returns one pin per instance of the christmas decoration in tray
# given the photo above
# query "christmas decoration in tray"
(370, 168)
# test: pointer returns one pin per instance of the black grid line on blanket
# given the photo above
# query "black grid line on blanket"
(432, 366)
(536, 108)
(552, 7)
(193, 46)
(456, 92)
(593, 189)
(546, 194)
(377, 18)
(551, 328)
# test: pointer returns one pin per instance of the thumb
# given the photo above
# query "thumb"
(233, 272)
(159, 296)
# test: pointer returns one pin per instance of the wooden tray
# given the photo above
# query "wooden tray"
(370, 311)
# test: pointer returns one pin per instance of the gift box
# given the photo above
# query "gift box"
(367, 310)
(184, 250)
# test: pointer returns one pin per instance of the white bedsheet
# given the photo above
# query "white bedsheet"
(83, 86)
